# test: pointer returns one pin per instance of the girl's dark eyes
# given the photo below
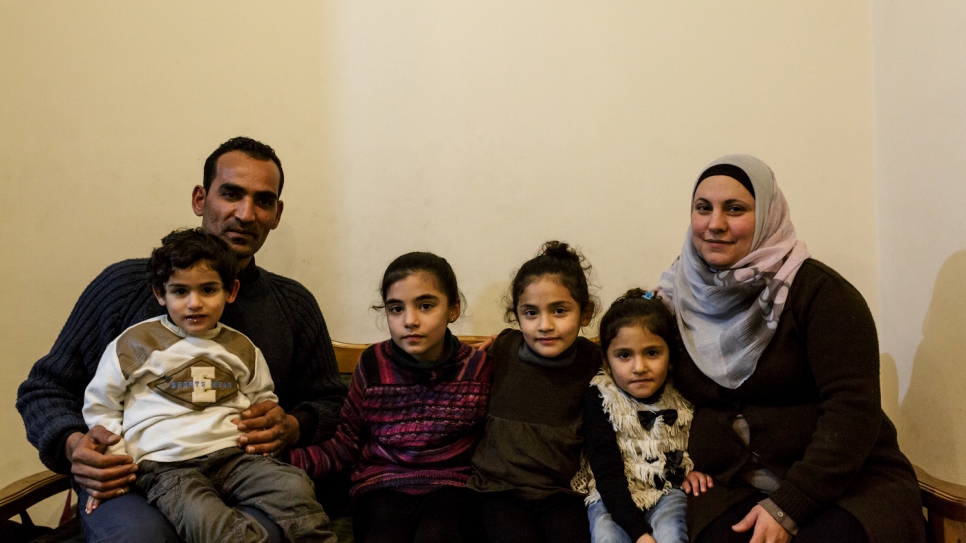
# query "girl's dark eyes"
(426, 307)
(393, 309)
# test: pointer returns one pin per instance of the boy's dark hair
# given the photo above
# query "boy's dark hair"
(560, 260)
(634, 308)
(415, 262)
(253, 148)
(183, 249)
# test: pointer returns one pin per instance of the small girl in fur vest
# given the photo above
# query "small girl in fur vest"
(636, 471)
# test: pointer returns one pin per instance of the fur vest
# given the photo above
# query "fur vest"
(645, 453)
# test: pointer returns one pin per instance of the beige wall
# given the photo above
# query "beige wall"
(920, 171)
(475, 130)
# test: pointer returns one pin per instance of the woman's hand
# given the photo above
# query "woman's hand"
(485, 345)
(767, 529)
(646, 538)
(696, 483)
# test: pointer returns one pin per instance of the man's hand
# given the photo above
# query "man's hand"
(268, 429)
(103, 476)
(696, 483)
(767, 529)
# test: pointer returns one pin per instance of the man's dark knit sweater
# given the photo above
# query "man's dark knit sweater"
(279, 315)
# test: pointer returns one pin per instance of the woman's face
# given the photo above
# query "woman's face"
(722, 221)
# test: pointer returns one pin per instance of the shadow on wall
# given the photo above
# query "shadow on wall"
(889, 385)
(485, 311)
(930, 421)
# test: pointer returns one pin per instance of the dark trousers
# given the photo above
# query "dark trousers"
(130, 519)
(199, 497)
(830, 524)
(442, 516)
(559, 519)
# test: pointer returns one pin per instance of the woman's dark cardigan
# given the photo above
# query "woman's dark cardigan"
(814, 411)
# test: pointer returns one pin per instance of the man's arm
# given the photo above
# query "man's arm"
(342, 451)
(316, 390)
(51, 398)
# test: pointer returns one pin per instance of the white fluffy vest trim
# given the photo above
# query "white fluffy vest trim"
(643, 451)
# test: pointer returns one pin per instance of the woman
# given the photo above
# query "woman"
(784, 376)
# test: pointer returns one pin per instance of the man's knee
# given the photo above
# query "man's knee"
(126, 519)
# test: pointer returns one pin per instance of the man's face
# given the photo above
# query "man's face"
(242, 205)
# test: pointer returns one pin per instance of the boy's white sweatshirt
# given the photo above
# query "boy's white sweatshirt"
(171, 396)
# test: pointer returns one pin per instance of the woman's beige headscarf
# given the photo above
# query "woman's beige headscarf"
(728, 317)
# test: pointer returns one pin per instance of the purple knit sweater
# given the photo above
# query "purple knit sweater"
(404, 427)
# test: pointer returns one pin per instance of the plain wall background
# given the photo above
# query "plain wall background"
(474, 130)
(920, 163)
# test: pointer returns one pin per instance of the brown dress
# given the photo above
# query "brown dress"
(532, 442)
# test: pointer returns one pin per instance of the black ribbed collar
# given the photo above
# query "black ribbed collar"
(562, 360)
(406, 360)
(249, 274)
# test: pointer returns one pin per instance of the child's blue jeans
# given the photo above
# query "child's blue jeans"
(666, 519)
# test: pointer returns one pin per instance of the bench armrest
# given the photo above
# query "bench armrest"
(18, 496)
(945, 504)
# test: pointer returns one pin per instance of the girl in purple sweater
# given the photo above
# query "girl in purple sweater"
(414, 413)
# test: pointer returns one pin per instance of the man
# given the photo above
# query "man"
(238, 202)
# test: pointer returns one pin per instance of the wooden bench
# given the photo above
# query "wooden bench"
(944, 502)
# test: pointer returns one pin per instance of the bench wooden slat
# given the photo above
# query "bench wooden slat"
(347, 354)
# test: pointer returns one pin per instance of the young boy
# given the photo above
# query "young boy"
(171, 387)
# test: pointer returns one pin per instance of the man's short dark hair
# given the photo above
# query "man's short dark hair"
(253, 148)
(183, 249)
